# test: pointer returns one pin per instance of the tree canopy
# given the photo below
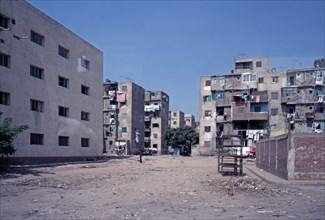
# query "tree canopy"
(7, 135)
(185, 136)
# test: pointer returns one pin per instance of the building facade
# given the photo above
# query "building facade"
(123, 118)
(176, 119)
(156, 121)
(189, 120)
(51, 81)
(258, 102)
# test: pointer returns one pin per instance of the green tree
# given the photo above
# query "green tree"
(7, 135)
(185, 136)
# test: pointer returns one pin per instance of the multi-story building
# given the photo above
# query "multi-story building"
(123, 118)
(51, 81)
(156, 121)
(189, 120)
(303, 100)
(176, 119)
(257, 102)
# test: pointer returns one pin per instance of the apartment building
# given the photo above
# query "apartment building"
(189, 120)
(302, 100)
(123, 118)
(238, 102)
(51, 81)
(176, 119)
(156, 121)
(258, 102)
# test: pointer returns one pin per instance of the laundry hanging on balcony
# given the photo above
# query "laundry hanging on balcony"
(120, 96)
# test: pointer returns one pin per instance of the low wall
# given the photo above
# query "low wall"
(293, 156)
(272, 155)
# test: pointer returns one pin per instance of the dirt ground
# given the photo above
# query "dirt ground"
(162, 187)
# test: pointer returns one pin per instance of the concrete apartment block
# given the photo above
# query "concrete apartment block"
(156, 121)
(51, 80)
(257, 102)
(123, 118)
(189, 120)
(176, 119)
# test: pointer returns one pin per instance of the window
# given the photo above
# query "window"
(84, 142)
(207, 129)
(4, 98)
(274, 95)
(63, 52)
(84, 90)
(36, 139)
(124, 129)
(207, 98)
(174, 122)
(155, 135)
(218, 81)
(249, 77)
(63, 141)
(261, 80)
(4, 22)
(124, 88)
(289, 91)
(155, 125)
(36, 105)
(275, 79)
(258, 63)
(208, 83)
(220, 110)
(219, 95)
(174, 114)
(4, 60)
(63, 111)
(36, 72)
(64, 82)
(207, 113)
(124, 116)
(274, 111)
(244, 65)
(85, 116)
(85, 63)
(291, 81)
(37, 38)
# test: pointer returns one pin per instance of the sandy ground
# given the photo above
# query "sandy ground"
(162, 187)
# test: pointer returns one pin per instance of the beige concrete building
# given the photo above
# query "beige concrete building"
(51, 80)
(303, 100)
(189, 120)
(176, 119)
(239, 102)
(257, 102)
(123, 118)
(156, 121)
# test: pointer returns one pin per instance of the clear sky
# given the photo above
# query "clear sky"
(168, 45)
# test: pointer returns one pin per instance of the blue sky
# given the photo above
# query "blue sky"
(168, 45)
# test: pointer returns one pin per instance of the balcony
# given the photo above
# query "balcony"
(257, 97)
(222, 118)
(243, 113)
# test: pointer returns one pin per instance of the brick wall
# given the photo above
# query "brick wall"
(293, 156)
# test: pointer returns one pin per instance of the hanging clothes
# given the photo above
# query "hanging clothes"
(121, 96)
(258, 98)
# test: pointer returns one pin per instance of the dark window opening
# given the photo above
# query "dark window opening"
(63, 141)
(84, 142)
(37, 38)
(36, 139)
(4, 60)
